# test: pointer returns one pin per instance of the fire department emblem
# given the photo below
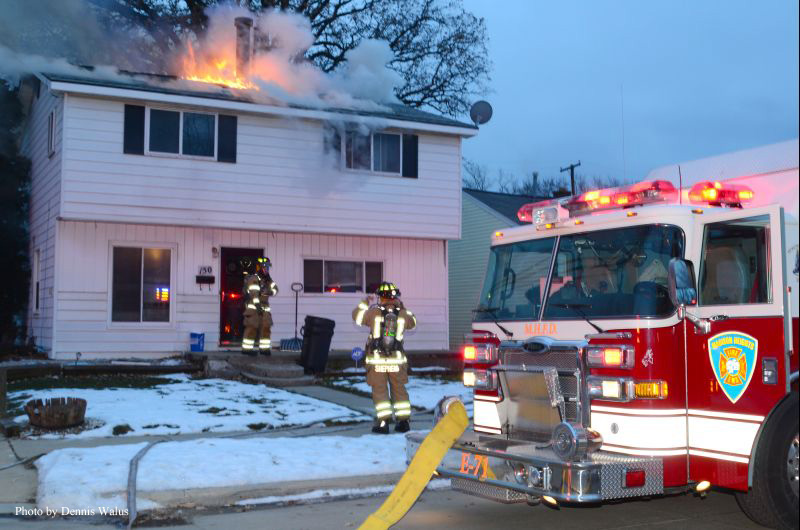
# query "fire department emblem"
(733, 357)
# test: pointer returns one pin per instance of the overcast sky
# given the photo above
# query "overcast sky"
(691, 79)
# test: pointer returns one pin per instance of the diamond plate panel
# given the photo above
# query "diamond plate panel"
(487, 491)
(612, 476)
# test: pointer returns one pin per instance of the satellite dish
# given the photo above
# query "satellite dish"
(480, 112)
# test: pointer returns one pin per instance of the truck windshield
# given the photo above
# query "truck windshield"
(516, 281)
(613, 273)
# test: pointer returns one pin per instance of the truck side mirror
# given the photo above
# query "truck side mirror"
(680, 280)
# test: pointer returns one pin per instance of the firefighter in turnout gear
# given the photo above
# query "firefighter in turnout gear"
(386, 362)
(258, 287)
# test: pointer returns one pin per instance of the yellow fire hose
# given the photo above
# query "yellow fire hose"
(419, 471)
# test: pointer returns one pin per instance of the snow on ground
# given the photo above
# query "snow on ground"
(338, 493)
(184, 405)
(96, 477)
(423, 392)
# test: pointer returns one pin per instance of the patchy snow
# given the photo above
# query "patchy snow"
(89, 478)
(338, 493)
(184, 405)
(423, 392)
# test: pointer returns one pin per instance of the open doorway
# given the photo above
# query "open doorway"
(231, 305)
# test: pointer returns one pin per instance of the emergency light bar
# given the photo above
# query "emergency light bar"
(719, 194)
(646, 192)
(547, 214)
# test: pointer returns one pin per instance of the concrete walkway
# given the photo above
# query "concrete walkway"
(18, 484)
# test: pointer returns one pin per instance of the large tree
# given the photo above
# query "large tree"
(14, 194)
(440, 49)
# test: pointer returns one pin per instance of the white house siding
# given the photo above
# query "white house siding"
(82, 325)
(282, 181)
(468, 259)
(44, 209)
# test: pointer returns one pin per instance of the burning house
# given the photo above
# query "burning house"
(147, 193)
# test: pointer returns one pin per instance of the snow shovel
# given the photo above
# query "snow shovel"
(294, 344)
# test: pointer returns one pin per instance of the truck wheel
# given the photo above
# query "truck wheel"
(773, 500)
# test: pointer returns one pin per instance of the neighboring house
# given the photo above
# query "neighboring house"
(145, 198)
(482, 213)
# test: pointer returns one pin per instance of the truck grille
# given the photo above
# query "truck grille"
(563, 356)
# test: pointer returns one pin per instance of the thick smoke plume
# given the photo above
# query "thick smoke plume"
(54, 37)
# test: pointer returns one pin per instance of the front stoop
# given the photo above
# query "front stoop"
(274, 370)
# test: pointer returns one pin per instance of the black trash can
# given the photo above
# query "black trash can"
(317, 335)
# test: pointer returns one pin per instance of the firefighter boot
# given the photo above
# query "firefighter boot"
(402, 426)
(381, 427)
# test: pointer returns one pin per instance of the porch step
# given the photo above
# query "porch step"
(302, 380)
(262, 367)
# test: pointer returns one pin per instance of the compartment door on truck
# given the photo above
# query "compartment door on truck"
(737, 371)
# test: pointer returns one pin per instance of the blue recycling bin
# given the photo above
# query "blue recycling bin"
(197, 342)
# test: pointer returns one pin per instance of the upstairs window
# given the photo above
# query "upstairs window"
(179, 133)
(379, 152)
(388, 153)
(186, 133)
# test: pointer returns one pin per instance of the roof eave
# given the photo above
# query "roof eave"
(251, 108)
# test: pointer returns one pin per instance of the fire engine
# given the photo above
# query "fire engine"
(636, 342)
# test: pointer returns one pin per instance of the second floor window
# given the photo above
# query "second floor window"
(379, 152)
(186, 133)
(194, 134)
(383, 153)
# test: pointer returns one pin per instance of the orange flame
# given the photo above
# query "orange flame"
(214, 69)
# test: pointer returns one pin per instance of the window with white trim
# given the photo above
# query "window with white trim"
(333, 276)
(140, 284)
(181, 133)
(51, 133)
(378, 152)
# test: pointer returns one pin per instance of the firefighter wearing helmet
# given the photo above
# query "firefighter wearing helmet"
(258, 287)
(387, 366)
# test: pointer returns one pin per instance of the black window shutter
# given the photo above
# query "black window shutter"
(133, 136)
(226, 132)
(410, 155)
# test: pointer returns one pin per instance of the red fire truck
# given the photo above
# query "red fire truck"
(639, 341)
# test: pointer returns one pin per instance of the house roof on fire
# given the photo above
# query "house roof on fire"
(160, 84)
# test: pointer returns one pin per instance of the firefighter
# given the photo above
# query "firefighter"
(258, 287)
(387, 365)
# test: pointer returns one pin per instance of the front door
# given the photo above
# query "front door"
(231, 307)
(740, 279)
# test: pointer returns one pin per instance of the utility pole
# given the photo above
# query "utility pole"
(571, 169)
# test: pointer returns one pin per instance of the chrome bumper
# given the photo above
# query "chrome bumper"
(513, 471)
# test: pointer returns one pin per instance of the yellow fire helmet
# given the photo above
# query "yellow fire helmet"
(387, 290)
(264, 263)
